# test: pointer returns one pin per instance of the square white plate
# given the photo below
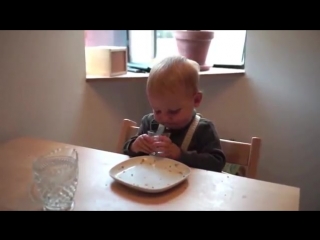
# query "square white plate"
(150, 174)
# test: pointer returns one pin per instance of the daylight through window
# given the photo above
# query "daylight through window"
(227, 49)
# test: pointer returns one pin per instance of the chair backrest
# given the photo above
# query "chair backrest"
(129, 128)
(241, 153)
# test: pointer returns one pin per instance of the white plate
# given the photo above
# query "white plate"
(150, 174)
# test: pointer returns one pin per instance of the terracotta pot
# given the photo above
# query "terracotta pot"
(194, 45)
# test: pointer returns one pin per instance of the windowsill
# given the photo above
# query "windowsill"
(130, 75)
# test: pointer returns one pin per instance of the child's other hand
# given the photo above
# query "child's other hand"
(167, 148)
(143, 143)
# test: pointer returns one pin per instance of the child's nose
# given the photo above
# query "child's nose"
(162, 118)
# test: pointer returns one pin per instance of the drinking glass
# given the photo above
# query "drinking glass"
(155, 137)
(55, 177)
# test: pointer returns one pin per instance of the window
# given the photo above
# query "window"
(227, 49)
(142, 46)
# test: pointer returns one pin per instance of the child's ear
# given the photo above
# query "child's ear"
(197, 99)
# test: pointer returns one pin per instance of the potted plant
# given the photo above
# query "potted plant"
(194, 45)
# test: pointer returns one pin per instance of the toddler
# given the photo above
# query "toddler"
(173, 94)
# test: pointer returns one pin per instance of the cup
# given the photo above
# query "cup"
(55, 179)
(155, 137)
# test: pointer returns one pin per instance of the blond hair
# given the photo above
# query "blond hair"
(172, 74)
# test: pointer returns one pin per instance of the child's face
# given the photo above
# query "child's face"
(174, 110)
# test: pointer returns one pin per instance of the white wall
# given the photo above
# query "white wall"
(43, 91)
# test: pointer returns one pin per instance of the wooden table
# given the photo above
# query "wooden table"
(204, 190)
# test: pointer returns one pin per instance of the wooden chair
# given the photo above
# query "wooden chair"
(129, 128)
(244, 154)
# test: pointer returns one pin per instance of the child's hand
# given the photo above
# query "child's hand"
(166, 148)
(143, 143)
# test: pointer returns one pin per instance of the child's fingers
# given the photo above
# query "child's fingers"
(164, 139)
(143, 149)
(163, 148)
(147, 138)
(146, 146)
(161, 144)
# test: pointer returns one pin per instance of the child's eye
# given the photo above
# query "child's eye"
(157, 112)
